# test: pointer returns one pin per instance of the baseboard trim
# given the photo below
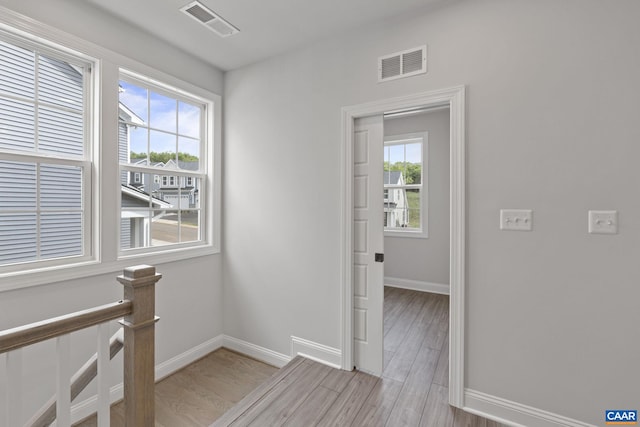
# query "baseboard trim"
(514, 414)
(319, 352)
(89, 406)
(263, 354)
(417, 285)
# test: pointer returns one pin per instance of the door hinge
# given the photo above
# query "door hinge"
(379, 257)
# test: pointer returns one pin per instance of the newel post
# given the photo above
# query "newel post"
(139, 345)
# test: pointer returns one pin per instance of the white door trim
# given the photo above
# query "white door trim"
(455, 98)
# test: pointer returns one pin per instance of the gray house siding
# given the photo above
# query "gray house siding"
(28, 187)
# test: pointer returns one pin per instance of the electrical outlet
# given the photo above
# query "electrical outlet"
(516, 219)
(603, 222)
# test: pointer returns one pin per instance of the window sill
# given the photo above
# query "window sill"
(408, 234)
(50, 275)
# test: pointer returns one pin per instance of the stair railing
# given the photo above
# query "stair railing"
(138, 310)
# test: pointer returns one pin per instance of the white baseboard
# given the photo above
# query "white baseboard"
(514, 414)
(89, 406)
(263, 354)
(320, 353)
(178, 362)
(417, 285)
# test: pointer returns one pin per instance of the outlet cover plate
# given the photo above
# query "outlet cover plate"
(603, 222)
(516, 219)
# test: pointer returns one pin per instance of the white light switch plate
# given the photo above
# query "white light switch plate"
(603, 222)
(516, 219)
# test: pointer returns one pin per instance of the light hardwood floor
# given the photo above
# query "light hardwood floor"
(200, 393)
(412, 391)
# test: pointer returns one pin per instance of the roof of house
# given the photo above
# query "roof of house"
(136, 193)
(393, 177)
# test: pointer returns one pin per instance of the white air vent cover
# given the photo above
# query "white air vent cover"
(209, 19)
(402, 64)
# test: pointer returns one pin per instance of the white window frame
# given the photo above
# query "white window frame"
(87, 162)
(177, 175)
(105, 184)
(410, 138)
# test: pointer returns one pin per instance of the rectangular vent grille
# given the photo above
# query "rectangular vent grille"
(402, 64)
(209, 19)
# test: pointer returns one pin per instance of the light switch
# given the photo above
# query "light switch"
(516, 219)
(603, 222)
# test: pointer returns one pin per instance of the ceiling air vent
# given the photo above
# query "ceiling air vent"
(209, 19)
(402, 64)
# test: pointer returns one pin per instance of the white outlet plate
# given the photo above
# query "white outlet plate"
(516, 219)
(603, 222)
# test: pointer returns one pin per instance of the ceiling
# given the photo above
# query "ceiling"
(267, 27)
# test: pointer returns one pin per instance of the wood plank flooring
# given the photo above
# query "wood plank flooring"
(413, 390)
(200, 393)
(228, 389)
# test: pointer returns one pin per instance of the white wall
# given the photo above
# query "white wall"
(189, 296)
(418, 259)
(551, 126)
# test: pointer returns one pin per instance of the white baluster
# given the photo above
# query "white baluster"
(13, 366)
(103, 375)
(63, 391)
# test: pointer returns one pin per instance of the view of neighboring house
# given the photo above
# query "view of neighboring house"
(180, 192)
(146, 197)
(396, 208)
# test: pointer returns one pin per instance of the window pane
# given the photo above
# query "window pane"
(60, 132)
(162, 147)
(17, 70)
(134, 98)
(60, 83)
(189, 226)
(174, 130)
(163, 112)
(188, 153)
(60, 235)
(42, 115)
(164, 228)
(16, 125)
(60, 187)
(17, 185)
(413, 204)
(137, 138)
(413, 164)
(18, 238)
(125, 233)
(188, 120)
(135, 198)
(134, 227)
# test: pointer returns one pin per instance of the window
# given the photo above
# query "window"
(136, 177)
(45, 156)
(404, 194)
(164, 135)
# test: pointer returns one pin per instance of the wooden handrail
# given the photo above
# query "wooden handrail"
(137, 311)
(22, 336)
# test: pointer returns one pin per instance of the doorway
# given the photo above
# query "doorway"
(366, 338)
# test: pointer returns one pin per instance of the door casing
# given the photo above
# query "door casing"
(454, 98)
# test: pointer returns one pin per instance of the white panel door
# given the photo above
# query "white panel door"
(368, 275)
